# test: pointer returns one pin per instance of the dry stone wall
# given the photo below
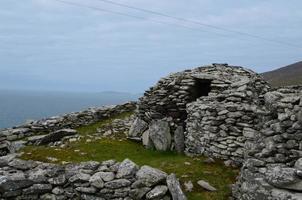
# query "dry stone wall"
(273, 160)
(12, 137)
(219, 124)
(91, 180)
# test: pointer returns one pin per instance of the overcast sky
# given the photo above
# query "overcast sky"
(48, 45)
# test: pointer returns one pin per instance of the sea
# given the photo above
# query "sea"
(17, 107)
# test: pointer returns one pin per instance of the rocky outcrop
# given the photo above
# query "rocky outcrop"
(21, 179)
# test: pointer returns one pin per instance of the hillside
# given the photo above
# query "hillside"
(288, 75)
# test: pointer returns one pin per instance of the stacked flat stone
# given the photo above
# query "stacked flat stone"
(218, 125)
(21, 179)
(216, 122)
(273, 163)
(71, 120)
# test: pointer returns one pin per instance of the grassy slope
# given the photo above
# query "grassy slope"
(289, 75)
(216, 174)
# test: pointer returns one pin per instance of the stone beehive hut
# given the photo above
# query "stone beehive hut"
(208, 110)
(230, 113)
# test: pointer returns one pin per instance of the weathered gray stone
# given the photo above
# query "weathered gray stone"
(80, 177)
(118, 183)
(126, 168)
(38, 189)
(14, 183)
(160, 135)
(279, 176)
(157, 193)
(146, 140)
(298, 164)
(175, 188)
(299, 116)
(139, 193)
(150, 176)
(179, 139)
(59, 180)
(96, 180)
(89, 190)
(206, 185)
(137, 128)
(55, 136)
(22, 164)
(189, 186)
(106, 176)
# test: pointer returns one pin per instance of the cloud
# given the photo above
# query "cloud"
(44, 42)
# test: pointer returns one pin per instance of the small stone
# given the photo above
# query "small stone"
(189, 186)
(206, 185)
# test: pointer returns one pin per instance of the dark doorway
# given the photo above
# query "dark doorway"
(202, 87)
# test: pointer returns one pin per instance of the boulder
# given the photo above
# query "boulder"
(150, 176)
(174, 188)
(160, 135)
(137, 128)
(56, 136)
(179, 139)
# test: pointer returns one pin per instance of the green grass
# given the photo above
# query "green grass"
(216, 174)
(86, 130)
